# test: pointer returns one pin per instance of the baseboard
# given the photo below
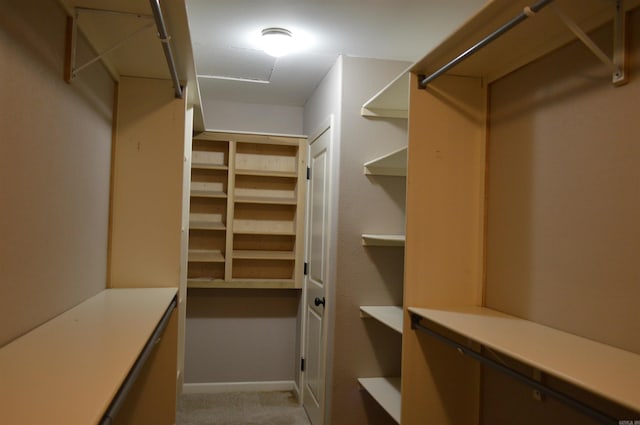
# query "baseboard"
(227, 387)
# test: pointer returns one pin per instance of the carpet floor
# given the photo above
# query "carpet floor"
(241, 408)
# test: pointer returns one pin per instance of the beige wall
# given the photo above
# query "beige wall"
(55, 154)
(563, 233)
(241, 335)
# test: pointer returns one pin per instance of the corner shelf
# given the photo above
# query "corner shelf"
(604, 370)
(370, 239)
(390, 316)
(392, 164)
(390, 102)
(386, 391)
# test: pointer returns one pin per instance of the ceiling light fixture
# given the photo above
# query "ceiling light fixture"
(276, 42)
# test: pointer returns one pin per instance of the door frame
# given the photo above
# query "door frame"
(326, 126)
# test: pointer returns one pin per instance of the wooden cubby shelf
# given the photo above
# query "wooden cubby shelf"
(264, 255)
(265, 200)
(386, 391)
(599, 368)
(390, 316)
(247, 211)
(206, 256)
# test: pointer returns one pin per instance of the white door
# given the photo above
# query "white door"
(316, 285)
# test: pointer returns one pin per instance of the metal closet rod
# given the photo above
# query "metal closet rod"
(136, 370)
(527, 12)
(544, 389)
(166, 46)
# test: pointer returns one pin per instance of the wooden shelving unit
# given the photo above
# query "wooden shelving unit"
(386, 391)
(446, 223)
(247, 210)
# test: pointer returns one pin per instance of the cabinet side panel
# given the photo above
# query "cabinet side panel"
(147, 179)
(444, 244)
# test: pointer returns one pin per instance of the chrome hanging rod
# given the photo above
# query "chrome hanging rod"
(527, 12)
(136, 369)
(166, 46)
(544, 389)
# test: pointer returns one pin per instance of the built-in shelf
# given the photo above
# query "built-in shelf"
(196, 283)
(247, 202)
(392, 164)
(206, 166)
(265, 200)
(386, 391)
(267, 173)
(390, 316)
(206, 225)
(602, 369)
(369, 239)
(208, 194)
(264, 255)
(390, 102)
(206, 256)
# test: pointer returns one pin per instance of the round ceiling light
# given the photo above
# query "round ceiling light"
(276, 42)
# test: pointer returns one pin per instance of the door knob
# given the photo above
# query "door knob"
(319, 301)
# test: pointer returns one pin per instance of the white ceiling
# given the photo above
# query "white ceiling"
(225, 33)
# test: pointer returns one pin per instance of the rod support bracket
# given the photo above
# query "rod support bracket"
(617, 65)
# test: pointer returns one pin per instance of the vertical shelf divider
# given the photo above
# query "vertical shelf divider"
(231, 188)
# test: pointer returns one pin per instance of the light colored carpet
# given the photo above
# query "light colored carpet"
(241, 408)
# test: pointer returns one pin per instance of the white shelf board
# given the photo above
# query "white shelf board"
(390, 102)
(68, 370)
(602, 369)
(370, 239)
(386, 391)
(392, 164)
(390, 316)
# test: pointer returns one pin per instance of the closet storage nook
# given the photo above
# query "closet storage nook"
(385, 390)
(510, 256)
(247, 211)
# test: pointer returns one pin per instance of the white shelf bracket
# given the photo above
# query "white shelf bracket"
(72, 69)
(616, 65)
